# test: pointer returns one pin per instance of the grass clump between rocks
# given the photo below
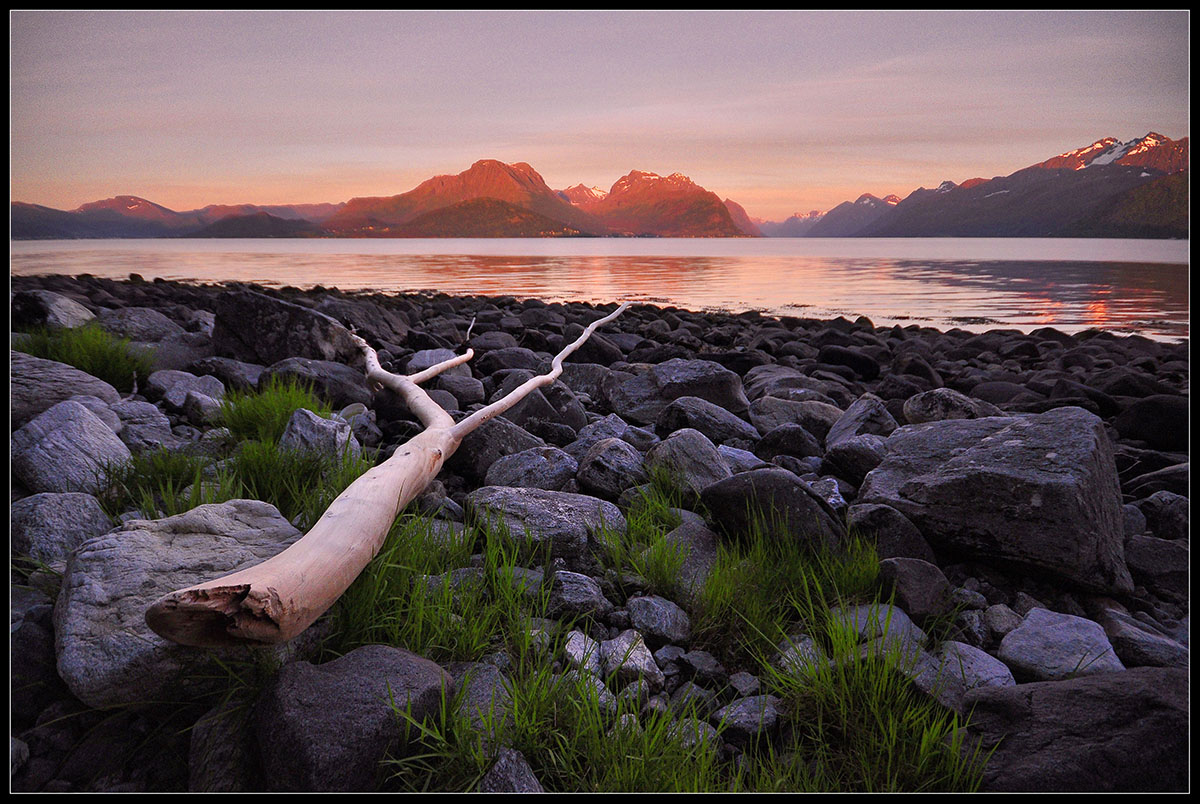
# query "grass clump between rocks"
(263, 414)
(92, 350)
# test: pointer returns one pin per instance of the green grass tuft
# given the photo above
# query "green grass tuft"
(93, 350)
(263, 415)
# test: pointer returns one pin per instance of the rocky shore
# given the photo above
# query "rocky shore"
(1032, 487)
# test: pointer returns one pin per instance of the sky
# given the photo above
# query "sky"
(781, 111)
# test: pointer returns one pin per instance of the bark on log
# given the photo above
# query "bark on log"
(276, 600)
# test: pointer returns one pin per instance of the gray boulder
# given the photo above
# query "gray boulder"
(748, 720)
(768, 412)
(610, 467)
(628, 659)
(956, 668)
(233, 373)
(538, 468)
(487, 444)
(946, 403)
(853, 458)
(510, 773)
(1160, 565)
(894, 535)
(574, 525)
(145, 428)
(142, 324)
(1138, 644)
(658, 620)
(308, 432)
(643, 397)
(48, 526)
(65, 448)
(1048, 645)
(326, 728)
(107, 654)
(918, 587)
(172, 387)
(690, 459)
(45, 308)
(574, 594)
(1116, 732)
(1038, 491)
(337, 383)
(867, 416)
(37, 385)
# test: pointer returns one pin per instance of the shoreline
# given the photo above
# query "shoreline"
(974, 325)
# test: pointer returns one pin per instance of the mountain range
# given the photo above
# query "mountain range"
(1110, 188)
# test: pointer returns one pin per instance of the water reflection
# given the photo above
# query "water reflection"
(975, 294)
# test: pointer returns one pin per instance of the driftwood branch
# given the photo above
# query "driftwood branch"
(276, 600)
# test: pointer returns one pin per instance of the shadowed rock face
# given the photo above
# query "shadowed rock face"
(260, 329)
(1038, 491)
(1112, 732)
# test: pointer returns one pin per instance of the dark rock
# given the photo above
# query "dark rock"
(610, 467)
(699, 414)
(919, 588)
(326, 727)
(946, 403)
(257, 328)
(1159, 565)
(867, 416)
(643, 397)
(852, 458)
(1166, 513)
(232, 373)
(690, 459)
(1161, 421)
(894, 535)
(1038, 491)
(45, 308)
(793, 509)
(1116, 732)
(863, 364)
(539, 467)
(788, 439)
(658, 620)
(488, 443)
(510, 773)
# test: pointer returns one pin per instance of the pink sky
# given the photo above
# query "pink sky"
(780, 111)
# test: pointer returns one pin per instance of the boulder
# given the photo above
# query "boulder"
(1115, 732)
(141, 324)
(1037, 491)
(48, 526)
(574, 594)
(66, 448)
(868, 415)
(327, 727)
(172, 386)
(627, 657)
(717, 423)
(233, 373)
(107, 654)
(894, 535)
(768, 412)
(643, 397)
(954, 669)
(946, 403)
(1160, 420)
(257, 328)
(748, 720)
(610, 467)
(791, 508)
(690, 459)
(308, 432)
(788, 439)
(538, 468)
(1049, 645)
(573, 525)
(45, 308)
(658, 620)
(37, 385)
(918, 587)
(488, 443)
(144, 428)
(372, 321)
(510, 773)
(1159, 565)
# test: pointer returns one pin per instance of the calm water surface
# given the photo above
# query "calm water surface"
(1126, 286)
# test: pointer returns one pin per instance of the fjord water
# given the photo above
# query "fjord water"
(1126, 286)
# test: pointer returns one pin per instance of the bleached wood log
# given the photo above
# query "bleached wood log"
(276, 600)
